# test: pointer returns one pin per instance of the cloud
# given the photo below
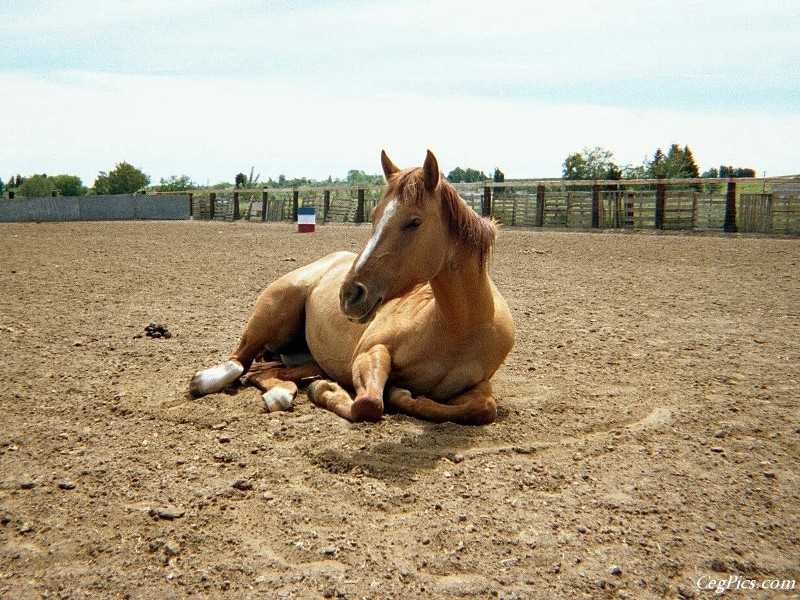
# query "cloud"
(314, 89)
(211, 130)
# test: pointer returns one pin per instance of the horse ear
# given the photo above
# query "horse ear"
(389, 168)
(431, 172)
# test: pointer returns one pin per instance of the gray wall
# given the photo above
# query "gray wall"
(123, 207)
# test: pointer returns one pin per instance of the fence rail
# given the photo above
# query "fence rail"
(678, 204)
(769, 205)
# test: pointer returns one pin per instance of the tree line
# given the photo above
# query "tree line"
(589, 164)
(677, 163)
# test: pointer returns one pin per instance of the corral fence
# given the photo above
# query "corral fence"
(118, 207)
(731, 205)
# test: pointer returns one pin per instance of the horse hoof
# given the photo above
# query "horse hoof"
(278, 399)
(366, 409)
(315, 390)
(215, 379)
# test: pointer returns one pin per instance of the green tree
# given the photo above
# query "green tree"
(69, 185)
(124, 179)
(728, 171)
(359, 178)
(36, 186)
(243, 181)
(176, 183)
(677, 163)
(15, 181)
(459, 175)
(591, 163)
(657, 167)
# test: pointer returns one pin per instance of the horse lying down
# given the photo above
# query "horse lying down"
(412, 324)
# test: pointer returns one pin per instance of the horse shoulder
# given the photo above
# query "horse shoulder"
(314, 272)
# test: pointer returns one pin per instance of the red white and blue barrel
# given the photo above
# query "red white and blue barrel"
(306, 219)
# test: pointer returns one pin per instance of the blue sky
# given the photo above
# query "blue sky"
(209, 88)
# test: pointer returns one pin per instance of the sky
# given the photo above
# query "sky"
(211, 88)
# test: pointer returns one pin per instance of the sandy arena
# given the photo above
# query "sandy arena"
(647, 443)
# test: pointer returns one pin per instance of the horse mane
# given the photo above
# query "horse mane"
(475, 233)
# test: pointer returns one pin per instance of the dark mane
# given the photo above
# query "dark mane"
(475, 233)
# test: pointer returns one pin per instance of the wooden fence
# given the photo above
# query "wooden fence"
(728, 205)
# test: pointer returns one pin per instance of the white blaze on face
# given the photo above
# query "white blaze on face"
(388, 211)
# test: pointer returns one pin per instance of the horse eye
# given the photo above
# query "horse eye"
(412, 225)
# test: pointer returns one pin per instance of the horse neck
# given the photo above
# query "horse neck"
(463, 292)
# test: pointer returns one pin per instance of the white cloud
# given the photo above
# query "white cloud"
(313, 89)
(87, 122)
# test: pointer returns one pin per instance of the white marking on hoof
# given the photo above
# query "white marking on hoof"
(278, 398)
(215, 379)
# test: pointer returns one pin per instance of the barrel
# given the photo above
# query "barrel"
(306, 219)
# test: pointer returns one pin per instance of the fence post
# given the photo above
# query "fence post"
(235, 206)
(360, 206)
(486, 203)
(539, 206)
(326, 205)
(595, 206)
(191, 205)
(730, 208)
(264, 204)
(212, 201)
(661, 197)
(295, 204)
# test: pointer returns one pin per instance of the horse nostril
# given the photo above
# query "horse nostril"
(358, 293)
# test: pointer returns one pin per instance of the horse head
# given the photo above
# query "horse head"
(407, 245)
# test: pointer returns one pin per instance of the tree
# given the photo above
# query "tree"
(15, 181)
(124, 179)
(677, 163)
(736, 172)
(360, 178)
(176, 183)
(591, 163)
(657, 167)
(36, 186)
(499, 177)
(243, 181)
(69, 185)
(459, 175)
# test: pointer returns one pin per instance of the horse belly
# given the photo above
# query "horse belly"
(330, 336)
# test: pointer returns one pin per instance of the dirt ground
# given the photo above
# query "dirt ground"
(648, 435)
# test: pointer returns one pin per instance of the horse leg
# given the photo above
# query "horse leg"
(279, 383)
(370, 372)
(476, 406)
(277, 320)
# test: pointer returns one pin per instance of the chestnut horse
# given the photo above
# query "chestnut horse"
(413, 323)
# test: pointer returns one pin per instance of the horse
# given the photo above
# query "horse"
(412, 324)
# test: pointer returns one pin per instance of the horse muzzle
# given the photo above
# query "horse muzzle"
(357, 302)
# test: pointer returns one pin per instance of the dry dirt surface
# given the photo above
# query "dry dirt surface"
(647, 439)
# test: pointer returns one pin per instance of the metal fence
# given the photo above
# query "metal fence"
(122, 207)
